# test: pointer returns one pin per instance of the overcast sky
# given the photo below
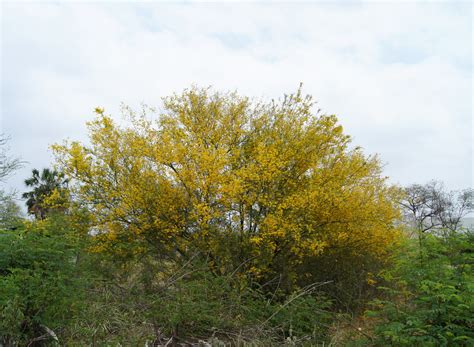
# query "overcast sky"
(398, 75)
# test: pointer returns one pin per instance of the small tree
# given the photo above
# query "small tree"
(259, 187)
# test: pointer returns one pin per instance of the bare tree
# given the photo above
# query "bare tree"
(10, 212)
(430, 207)
(7, 164)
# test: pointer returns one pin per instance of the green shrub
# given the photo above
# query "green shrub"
(40, 285)
(431, 301)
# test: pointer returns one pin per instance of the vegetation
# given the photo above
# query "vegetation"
(49, 189)
(431, 208)
(229, 222)
(429, 302)
(10, 212)
(265, 190)
(41, 286)
(8, 164)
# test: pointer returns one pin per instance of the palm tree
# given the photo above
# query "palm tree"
(43, 185)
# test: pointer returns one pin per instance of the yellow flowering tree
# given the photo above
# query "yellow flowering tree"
(258, 187)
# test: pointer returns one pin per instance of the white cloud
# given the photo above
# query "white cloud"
(398, 75)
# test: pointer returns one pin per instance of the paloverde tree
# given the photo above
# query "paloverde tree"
(46, 186)
(258, 187)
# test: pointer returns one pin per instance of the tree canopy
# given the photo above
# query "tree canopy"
(254, 185)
